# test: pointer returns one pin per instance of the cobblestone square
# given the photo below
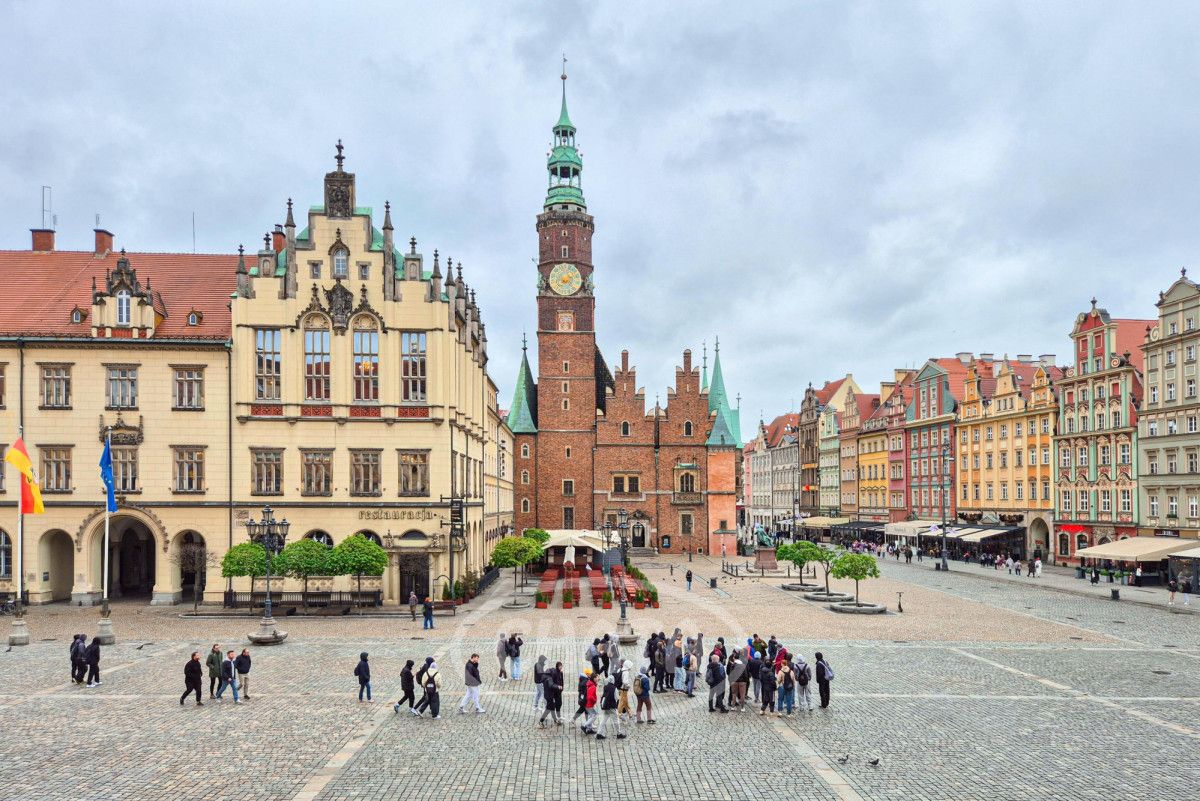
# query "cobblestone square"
(981, 689)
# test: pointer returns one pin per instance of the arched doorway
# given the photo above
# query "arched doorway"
(131, 567)
(56, 555)
(639, 536)
(413, 565)
(1039, 538)
(191, 556)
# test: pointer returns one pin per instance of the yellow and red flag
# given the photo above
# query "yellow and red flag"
(31, 493)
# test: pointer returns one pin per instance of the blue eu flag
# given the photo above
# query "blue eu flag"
(106, 475)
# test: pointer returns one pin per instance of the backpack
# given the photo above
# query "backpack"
(804, 675)
(430, 683)
(828, 671)
(639, 685)
(620, 680)
(789, 680)
(511, 649)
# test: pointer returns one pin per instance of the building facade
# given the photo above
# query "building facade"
(894, 410)
(586, 445)
(858, 408)
(829, 460)
(1168, 427)
(328, 375)
(937, 391)
(1095, 472)
(873, 461)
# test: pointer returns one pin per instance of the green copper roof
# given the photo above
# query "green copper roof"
(564, 163)
(564, 120)
(721, 435)
(716, 390)
(727, 429)
(521, 413)
(564, 155)
(565, 194)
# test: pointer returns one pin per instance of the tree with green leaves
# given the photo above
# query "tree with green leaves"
(245, 559)
(799, 554)
(540, 535)
(856, 566)
(825, 557)
(355, 556)
(515, 552)
(302, 559)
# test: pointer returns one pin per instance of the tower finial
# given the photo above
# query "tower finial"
(339, 158)
(1093, 302)
(564, 72)
(524, 342)
(716, 344)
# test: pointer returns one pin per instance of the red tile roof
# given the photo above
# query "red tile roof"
(1130, 336)
(957, 374)
(825, 393)
(781, 425)
(50, 285)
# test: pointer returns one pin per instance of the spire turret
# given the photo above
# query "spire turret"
(522, 415)
(563, 161)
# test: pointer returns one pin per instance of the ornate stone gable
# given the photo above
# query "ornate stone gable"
(341, 305)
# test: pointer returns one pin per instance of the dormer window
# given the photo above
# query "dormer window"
(123, 308)
(193, 319)
(341, 263)
(77, 316)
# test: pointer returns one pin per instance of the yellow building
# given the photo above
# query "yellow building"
(344, 384)
(873, 460)
(1005, 428)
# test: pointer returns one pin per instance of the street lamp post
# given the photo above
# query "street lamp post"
(945, 489)
(624, 627)
(271, 534)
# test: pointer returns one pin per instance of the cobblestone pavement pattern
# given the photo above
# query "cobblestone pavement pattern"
(983, 688)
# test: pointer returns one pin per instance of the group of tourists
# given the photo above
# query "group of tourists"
(228, 670)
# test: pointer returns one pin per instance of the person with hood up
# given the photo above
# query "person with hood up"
(781, 656)
(624, 685)
(714, 677)
(753, 671)
(92, 657)
(641, 690)
(502, 656)
(824, 677)
(539, 676)
(423, 704)
(552, 683)
(363, 671)
(803, 677)
(736, 674)
(772, 649)
(78, 665)
(659, 664)
(514, 653)
(213, 663)
(581, 693)
(592, 655)
(473, 682)
(766, 678)
(193, 675)
(433, 690)
(611, 716)
(407, 687)
(614, 654)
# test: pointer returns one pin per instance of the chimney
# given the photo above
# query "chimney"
(43, 239)
(624, 361)
(104, 242)
(278, 240)
(1047, 359)
(1024, 358)
(964, 356)
(987, 357)
(687, 362)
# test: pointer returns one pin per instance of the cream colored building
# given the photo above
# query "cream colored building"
(330, 375)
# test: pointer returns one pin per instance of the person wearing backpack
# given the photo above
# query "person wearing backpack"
(786, 680)
(581, 698)
(641, 690)
(824, 677)
(552, 684)
(423, 704)
(363, 671)
(714, 677)
(624, 685)
(736, 675)
(803, 677)
(433, 686)
(514, 653)
(608, 705)
(766, 679)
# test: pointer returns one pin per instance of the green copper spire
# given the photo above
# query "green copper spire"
(563, 163)
(726, 430)
(522, 414)
(704, 373)
(716, 390)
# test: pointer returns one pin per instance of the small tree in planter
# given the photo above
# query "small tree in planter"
(654, 596)
(356, 555)
(606, 599)
(639, 600)
(799, 554)
(539, 600)
(568, 599)
(856, 566)
(825, 558)
(245, 559)
(302, 559)
(515, 552)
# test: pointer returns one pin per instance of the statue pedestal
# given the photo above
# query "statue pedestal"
(267, 634)
(20, 632)
(764, 559)
(104, 633)
(625, 635)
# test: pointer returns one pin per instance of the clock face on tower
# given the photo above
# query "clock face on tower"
(565, 279)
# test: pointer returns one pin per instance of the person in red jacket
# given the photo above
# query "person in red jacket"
(589, 704)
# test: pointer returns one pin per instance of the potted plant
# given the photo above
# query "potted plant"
(539, 600)
(639, 600)
(606, 599)
(654, 596)
(568, 599)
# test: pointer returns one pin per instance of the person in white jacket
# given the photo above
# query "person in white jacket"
(625, 685)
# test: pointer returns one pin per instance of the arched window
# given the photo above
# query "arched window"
(525, 505)
(321, 537)
(687, 482)
(687, 428)
(524, 476)
(5, 555)
(366, 359)
(625, 429)
(1081, 541)
(316, 358)
(1064, 544)
(341, 263)
(524, 451)
(123, 308)
(372, 536)
(193, 319)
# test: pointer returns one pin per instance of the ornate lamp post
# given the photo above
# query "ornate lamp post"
(271, 534)
(945, 489)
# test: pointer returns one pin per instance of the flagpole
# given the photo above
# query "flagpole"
(20, 630)
(105, 632)
(104, 599)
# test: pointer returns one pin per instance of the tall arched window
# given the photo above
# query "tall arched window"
(341, 263)
(525, 505)
(687, 482)
(625, 429)
(5, 555)
(524, 476)
(321, 537)
(524, 451)
(316, 358)
(687, 428)
(1064, 544)
(123, 308)
(366, 359)
(1081, 541)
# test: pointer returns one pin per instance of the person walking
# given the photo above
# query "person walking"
(552, 690)
(242, 664)
(406, 688)
(412, 604)
(590, 693)
(193, 675)
(803, 677)
(539, 676)
(714, 677)
(824, 677)
(473, 682)
(427, 612)
(1173, 587)
(592, 655)
(608, 706)
(91, 657)
(363, 671)
(433, 691)
(514, 653)
(624, 685)
(581, 689)
(786, 680)
(766, 680)
(228, 678)
(605, 660)
(213, 663)
(78, 665)
(1185, 587)
(502, 656)
(641, 690)
(1137, 576)
(423, 704)
(688, 577)
(614, 654)
(736, 675)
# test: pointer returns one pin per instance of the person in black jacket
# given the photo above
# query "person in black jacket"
(193, 674)
(608, 705)
(228, 678)
(423, 704)
(603, 648)
(753, 669)
(514, 653)
(78, 666)
(552, 690)
(659, 665)
(92, 657)
(766, 680)
(363, 671)
(539, 675)
(824, 676)
(407, 685)
(584, 677)
(714, 677)
(242, 665)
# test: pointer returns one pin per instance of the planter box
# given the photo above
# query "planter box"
(606, 605)
(637, 605)
(568, 605)
(654, 604)
(542, 605)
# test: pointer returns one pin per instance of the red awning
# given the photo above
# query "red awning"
(1073, 528)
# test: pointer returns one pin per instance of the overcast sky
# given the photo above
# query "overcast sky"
(829, 188)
